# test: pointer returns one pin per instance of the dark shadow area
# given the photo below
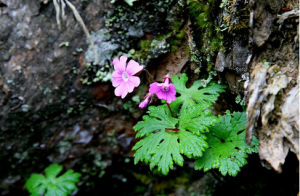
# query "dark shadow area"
(256, 180)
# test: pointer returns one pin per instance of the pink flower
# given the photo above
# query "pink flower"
(124, 78)
(144, 103)
(165, 91)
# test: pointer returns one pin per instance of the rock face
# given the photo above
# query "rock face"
(47, 114)
(273, 87)
(271, 58)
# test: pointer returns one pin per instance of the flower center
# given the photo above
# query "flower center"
(125, 76)
(165, 87)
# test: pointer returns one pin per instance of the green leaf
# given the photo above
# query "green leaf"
(53, 170)
(145, 147)
(36, 183)
(70, 175)
(160, 147)
(163, 148)
(192, 145)
(227, 146)
(194, 95)
(195, 119)
(167, 152)
(51, 185)
(158, 119)
(166, 139)
(55, 192)
(68, 180)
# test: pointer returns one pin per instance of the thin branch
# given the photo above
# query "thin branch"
(80, 21)
(63, 6)
(57, 10)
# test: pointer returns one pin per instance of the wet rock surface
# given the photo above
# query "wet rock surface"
(46, 114)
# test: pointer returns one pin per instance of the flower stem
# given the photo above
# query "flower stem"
(172, 129)
(170, 110)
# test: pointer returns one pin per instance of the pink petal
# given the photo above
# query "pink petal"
(171, 94)
(115, 62)
(128, 88)
(124, 94)
(147, 99)
(117, 81)
(154, 88)
(120, 65)
(133, 67)
(116, 74)
(122, 90)
(119, 90)
(123, 59)
(170, 98)
(172, 89)
(134, 80)
(144, 103)
(161, 94)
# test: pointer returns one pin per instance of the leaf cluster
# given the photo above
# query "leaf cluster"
(227, 146)
(52, 184)
(161, 145)
(193, 132)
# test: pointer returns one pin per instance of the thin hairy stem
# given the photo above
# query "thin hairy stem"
(170, 110)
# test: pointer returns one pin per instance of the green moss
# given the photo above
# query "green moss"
(144, 47)
(208, 36)
(235, 15)
(178, 39)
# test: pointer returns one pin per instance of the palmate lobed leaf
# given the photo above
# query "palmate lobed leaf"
(50, 184)
(159, 147)
(159, 118)
(67, 181)
(166, 153)
(227, 146)
(146, 147)
(53, 170)
(163, 148)
(196, 119)
(192, 145)
(194, 95)
(36, 184)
